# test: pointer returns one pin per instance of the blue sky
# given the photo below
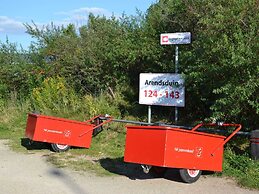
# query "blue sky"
(14, 13)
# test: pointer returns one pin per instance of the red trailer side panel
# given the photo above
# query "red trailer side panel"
(145, 146)
(173, 147)
(58, 130)
(193, 150)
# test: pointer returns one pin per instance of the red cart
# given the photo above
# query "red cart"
(159, 147)
(162, 147)
(62, 133)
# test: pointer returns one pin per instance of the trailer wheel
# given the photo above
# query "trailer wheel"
(59, 147)
(158, 171)
(190, 175)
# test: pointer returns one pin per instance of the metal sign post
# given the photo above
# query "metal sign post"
(176, 71)
(149, 114)
(175, 39)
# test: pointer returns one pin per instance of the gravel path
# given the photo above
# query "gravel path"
(30, 173)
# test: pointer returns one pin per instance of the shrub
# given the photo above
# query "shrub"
(55, 97)
(99, 105)
(242, 168)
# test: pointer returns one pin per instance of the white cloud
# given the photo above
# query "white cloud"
(96, 11)
(80, 16)
(11, 26)
(85, 11)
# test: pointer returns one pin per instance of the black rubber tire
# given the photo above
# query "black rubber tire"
(158, 171)
(190, 176)
(59, 147)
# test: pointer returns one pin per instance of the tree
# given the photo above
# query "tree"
(17, 73)
(221, 64)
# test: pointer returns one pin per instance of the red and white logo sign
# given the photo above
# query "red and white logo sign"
(164, 39)
(175, 38)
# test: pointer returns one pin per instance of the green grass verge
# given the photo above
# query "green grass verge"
(105, 157)
(13, 123)
(242, 168)
(105, 147)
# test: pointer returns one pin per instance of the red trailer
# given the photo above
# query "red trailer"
(62, 133)
(162, 147)
(156, 147)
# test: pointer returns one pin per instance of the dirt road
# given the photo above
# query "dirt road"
(30, 173)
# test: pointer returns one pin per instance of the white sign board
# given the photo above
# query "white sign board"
(164, 89)
(175, 38)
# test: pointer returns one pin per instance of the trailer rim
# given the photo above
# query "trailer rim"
(190, 175)
(193, 173)
(60, 147)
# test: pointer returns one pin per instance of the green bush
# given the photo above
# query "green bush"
(242, 168)
(99, 105)
(56, 98)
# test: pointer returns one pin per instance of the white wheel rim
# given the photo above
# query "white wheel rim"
(193, 173)
(61, 146)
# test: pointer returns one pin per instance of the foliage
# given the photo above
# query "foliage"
(13, 115)
(18, 73)
(221, 64)
(92, 60)
(242, 168)
(55, 97)
(229, 47)
(106, 55)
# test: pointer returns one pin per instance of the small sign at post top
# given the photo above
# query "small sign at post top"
(175, 38)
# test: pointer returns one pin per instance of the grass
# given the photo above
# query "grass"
(242, 168)
(108, 145)
(12, 123)
(105, 157)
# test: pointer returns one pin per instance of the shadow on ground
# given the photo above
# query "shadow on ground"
(67, 180)
(134, 171)
(33, 145)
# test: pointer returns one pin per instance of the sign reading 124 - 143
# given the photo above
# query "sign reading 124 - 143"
(165, 89)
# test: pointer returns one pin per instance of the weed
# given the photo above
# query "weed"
(242, 168)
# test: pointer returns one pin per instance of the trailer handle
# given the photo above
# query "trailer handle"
(238, 127)
(109, 119)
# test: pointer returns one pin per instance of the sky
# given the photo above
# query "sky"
(15, 13)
